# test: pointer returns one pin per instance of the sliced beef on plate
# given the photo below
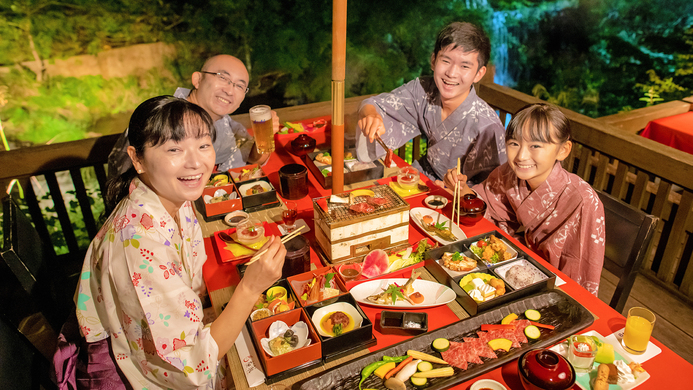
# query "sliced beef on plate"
(520, 326)
(482, 348)
(504, 334)
(470, 354)
(455, 356)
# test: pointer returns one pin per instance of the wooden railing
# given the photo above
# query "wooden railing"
(636, 170)
(653, 177)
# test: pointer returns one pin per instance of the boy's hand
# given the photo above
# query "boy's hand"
(275, 122)
(370, 122)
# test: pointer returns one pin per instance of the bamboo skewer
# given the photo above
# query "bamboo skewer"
(284, 240)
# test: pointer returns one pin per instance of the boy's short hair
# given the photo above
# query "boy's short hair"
(469, 36)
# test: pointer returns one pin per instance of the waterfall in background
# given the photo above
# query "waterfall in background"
(499, 49)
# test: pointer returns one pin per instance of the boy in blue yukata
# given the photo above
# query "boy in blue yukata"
(444, 108)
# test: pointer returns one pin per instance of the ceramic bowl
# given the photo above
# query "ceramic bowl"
(235, 217)
(339, 306)
(432, 201)
(350, 271)
(278, 328)
(545, 369)
(487, 384)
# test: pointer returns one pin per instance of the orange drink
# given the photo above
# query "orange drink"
(638, 330)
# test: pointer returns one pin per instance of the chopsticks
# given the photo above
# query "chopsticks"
(455, 197)
(285, 239)
(388, 156)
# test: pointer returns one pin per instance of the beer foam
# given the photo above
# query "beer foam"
(260, 115)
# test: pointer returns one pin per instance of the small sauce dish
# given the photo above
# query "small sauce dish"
(233, 218)
(435, 202)
(487, 384)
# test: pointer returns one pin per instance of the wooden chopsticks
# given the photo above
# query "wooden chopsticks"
(285, 239)
(455, 196)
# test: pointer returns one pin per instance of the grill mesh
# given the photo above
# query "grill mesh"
(339, 212)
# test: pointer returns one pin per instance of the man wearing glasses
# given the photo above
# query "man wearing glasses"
(219, 87)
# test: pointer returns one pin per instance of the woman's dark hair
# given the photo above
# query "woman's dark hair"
(538, 119)
(468, 36)
(154, 122)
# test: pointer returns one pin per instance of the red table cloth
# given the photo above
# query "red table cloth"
(667, 369)
(675, 131)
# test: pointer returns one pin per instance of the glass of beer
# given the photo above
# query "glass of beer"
(638, 330)
(261, 117)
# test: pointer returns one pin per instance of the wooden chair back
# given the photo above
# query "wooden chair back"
(628, 235)
(31, 280)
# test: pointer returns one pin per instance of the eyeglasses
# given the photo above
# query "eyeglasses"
(239, 87)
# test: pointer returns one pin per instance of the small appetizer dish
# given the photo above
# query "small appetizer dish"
(246, 173)
(218, 179)
(219, 196)
(274, 301)
(408, 178)
(251, 233)
(436, 202)
(336, 319)
(402, 322)
(235, 217)
(315, 286)
(482, 287)
(492, 250)
(520, 274)
(256, 187)
(458, 262)
(350, 271)
(283, 339)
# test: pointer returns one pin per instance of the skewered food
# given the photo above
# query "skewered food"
(393, 293)
(438, 229)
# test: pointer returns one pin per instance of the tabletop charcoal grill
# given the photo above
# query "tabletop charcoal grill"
(347, 236)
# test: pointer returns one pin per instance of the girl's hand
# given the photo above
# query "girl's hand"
(451, 178)
(262, 274)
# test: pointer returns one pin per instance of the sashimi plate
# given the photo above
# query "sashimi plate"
(417, 213)
(435, 294)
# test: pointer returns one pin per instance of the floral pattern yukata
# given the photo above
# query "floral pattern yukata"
(472, 132)
(140, 286)
(563, 219)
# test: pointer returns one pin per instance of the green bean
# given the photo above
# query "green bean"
(395, 359)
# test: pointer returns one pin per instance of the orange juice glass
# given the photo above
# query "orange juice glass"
(638, 330)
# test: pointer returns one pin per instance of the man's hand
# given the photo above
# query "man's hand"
(275, 122)
(370, 122)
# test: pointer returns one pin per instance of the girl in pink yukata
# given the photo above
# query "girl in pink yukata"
(556, 213)
(138, 306)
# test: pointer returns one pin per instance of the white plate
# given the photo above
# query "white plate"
(584, 379)
(435, 294)
(245, 187)
(440, 218)
(339, 306)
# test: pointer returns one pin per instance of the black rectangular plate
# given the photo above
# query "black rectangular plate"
(556, 307)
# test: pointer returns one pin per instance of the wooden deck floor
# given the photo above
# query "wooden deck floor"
(674, 317)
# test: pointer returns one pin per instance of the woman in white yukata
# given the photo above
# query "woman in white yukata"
(138, 299)
(556, 213)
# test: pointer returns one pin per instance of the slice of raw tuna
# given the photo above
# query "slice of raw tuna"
(375, 263)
